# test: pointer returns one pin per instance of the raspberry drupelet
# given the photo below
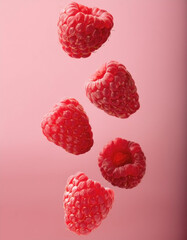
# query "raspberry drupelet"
(67, 125)
(82, 30)
(113, 90)
(86, 204)
(122, 163)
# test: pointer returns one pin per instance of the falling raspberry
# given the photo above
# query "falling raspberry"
(122, 163)
(82, 30)
(86, 203)
(113, 90)
(67, 126)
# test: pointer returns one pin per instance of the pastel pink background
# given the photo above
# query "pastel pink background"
(149, 38)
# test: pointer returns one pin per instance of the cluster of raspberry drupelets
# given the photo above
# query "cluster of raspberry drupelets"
(67, 126)
(82, 30)
(112, 89)
(86, 203)
(122, 163)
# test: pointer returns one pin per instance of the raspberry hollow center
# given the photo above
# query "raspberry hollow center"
(121, 159)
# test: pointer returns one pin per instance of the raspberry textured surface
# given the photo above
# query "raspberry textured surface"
(86, 203)
(113, 90)
(82, 30)
(67, 126)
(122, 163)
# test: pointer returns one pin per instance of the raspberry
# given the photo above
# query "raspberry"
(86, 203)
(113, 90)
(67, 125)
(82, 30)
(122, 163)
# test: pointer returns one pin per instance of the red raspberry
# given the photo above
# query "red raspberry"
(122, 163)
(86, 203)
(67, 125)
(113, 90)
(82, 30)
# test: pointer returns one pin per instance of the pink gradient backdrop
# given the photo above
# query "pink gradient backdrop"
(149, 37)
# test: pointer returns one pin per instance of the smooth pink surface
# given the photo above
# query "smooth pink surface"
(149, 38)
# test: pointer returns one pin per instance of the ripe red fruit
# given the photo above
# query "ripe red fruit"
(82, 30)
(113, 90)
(67, 125)
(86, 203)
(122, 163)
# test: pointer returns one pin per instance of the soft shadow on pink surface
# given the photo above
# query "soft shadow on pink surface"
(149, 38)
